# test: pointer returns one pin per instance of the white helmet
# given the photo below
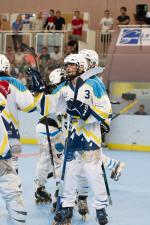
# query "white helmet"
(4, 63)
(91, 55)
(55, 76)
(77, 59)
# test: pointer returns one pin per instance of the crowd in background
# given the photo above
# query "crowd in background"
(21, 61)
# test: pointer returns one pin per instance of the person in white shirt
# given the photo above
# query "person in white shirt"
(56, 56)
(38, 22)
(106, 24)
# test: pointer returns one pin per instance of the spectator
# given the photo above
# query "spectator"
(29, 60)
(19, 58)
(26, 22)
(59, 21)
(10, 55)
(17, 27)
(74, 45)
(77, 25)
(141, 110)
(106, 22)
(38, 22)
(49, 24)
(67, 50)
(123, 19)
(56, 56)
(44, 59)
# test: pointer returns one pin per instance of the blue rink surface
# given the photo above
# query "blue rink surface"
(131, 195)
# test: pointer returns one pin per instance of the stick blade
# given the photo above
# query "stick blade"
(91, 72)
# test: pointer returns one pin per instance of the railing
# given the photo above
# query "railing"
(103, 42)
(36, 39)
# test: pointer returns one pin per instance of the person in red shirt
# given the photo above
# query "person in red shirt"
(49, 23)
(77, 25)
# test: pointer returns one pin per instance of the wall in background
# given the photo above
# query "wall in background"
(95, 8)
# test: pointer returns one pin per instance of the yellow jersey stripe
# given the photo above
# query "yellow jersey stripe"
(4, 144)
(89, 134)
(29, 107)
(10, 116)
(3, 103)
(99, 112)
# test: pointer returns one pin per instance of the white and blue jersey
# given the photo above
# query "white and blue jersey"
(4, 145)
(85, 135)
(20, 98)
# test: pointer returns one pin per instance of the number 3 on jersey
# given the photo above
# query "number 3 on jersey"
(87, 94)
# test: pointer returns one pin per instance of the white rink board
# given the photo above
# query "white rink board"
(125, 129)
(130, 129)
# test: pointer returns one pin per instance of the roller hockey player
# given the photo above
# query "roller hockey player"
(10, 186)
(112, 164)
(19, 99)
(44, 162)
(44, 166)
(88, 111)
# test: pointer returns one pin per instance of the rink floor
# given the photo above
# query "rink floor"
(131, 195)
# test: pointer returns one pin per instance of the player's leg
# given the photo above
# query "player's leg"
(93, 171)
(11, 192)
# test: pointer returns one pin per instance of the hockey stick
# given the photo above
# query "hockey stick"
(79, 83)
(24, 46)
(106, 184)
(125, 109)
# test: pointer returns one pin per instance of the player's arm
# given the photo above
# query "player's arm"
(24, 98)
(4, 91)
(51, 104)
(101, 107)
(4, 145)
(98, 111)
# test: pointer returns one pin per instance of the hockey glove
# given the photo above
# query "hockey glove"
(38, 84)
(78, 109)
(104, 128)
(4, 88)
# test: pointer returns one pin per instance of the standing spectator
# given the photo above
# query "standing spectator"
(123, 19)
(106, 24)
(59, 21)
(26, 22)
(77, 25)
(17, 27)
(56, 56)
(49, 24)
(141, 110)
(44, 59)
(38, 22)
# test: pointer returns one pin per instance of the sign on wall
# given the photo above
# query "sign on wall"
(134, 37)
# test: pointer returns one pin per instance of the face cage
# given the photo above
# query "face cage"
(72, 75)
